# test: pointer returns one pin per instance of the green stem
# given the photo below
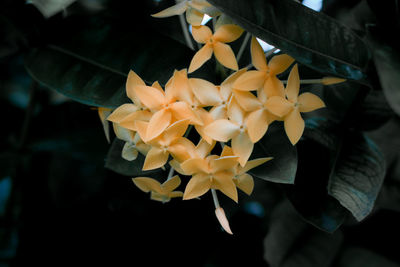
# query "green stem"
(243, 46)
(186, 32)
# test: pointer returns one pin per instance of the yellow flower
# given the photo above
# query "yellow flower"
(169, 142)
(160, 192)
(212, 172)
(291, 107)
(239, 128)
(164, 106)
(201, 151)
(242, 179)
(215, 43)
(195, 10)
(126, 114)
(265, 75)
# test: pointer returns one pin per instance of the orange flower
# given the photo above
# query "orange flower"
(242, 179)
(265, 75)
(291, 107)
(215, 43)
(164, 106)
(159, 192)
(169, 142)
(238, 128)
(212, 172)
(103, 114)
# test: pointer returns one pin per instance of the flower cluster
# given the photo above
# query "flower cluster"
(239, 110)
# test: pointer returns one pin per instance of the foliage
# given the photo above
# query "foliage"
(318, 195)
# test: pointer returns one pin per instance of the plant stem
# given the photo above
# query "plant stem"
(186, 32)
(215, 198)
(243, 46)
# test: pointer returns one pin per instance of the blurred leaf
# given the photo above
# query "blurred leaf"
(309, 194)
(388, 140)
(387, 62)
(292, 243)
(313, 38)
(373, 112)
(358, 175)
(282, 168)
(51, 7)
(90, 63)
(116, 163)
(360, 257)
(323, 131)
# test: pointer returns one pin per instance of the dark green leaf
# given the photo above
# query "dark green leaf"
(309, 194)
(116, 163)
(291, 242)
(358, 175)
(323, 131)
(313, 38)
(282, 168)
(90, 63)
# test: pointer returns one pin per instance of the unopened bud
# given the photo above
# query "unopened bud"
(219, 212)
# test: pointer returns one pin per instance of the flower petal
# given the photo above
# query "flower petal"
(129, 151)
(158, 123)
(257, 55)
(235, 112)
(242, 147)
(129, 121)
(309, 102)
(280, 63)
(122, 112)
(195, 165)
(219, 212)
(198, 185)
(227, 33)
(171, 184)
(247, 100)
(224, 54)
(177, 167)
(132, 81)
(172, 11)
(159, 197)
(250, 81)
(223, 181)
(147, 184)
(103, 114)
(123, 133)
(227, 151)
(175, 130)
(257, 124)
(252, 164)
(293, 85)
(245, 183)
(278, 106)
(206, 92)
(182, 149)
(226, 85)
(180, 82)
(200, 57)
(294, 126)
(181, 111)
(151, 97)
(223, 163)
(175, 194)
(155, 158)
(141, 128)
(194, 17)
(204, 148)
(201, 34)
(274, 87)
(222, 130)
(206, 118)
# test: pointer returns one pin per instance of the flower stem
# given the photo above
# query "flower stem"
(170, 173)
(243, 46)
(186, 31)
(215, 198)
